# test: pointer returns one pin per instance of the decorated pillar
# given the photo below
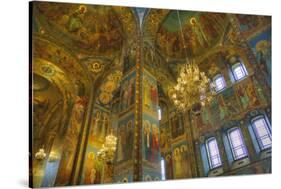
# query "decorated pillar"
(137, 155)
(150, 145)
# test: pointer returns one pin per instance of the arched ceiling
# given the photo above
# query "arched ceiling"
(45, 95)
(87, 29)
(172, 36)
(76, 44)
(58, 65)
(189, 34)
(88, 42)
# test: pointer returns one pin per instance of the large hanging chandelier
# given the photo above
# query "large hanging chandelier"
(193, 89)
(106, 153)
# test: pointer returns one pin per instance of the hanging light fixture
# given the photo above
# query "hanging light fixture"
(193, 89)
(106, 153)
(40, 155)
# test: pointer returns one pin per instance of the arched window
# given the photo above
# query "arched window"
(262, 132)
(163, 173)
(237, 144)
(213, 153)
(219, 82)
(239, 71)
(159, 113)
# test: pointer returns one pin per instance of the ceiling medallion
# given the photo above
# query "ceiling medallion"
(96, 67)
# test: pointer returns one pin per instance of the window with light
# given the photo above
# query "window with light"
(219, 83)
(237, 144)
(262, 132)
(213, 153)
(159, 114)
(163, 174)
(239, 71)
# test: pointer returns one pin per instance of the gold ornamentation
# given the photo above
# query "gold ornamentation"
(109, 86)
(105, 97)
(96, 67)
(192, 87)
(40, 155)
(48, 70)
(108, 149)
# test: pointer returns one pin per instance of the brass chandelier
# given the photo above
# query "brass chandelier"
(193, 88)
(107, 152)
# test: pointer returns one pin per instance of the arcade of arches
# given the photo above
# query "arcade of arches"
(101, 71)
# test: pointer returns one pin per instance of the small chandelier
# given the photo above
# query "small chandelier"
(106, 153)
(40, 155)
(192, 88)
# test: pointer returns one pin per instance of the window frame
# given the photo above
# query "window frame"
(243, 147)
(243, 68)
(268, 129)
(212, 167)
(218, 76)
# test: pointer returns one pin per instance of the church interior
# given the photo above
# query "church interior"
(123, 94)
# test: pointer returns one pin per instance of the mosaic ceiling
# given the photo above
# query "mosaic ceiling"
(89, 29)
(87, 43)
(188, 34)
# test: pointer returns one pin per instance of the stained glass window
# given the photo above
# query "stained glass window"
(219, 82)
(163, 176)
(238, 147)
(213, 153)
(239, 71)
(159, 114)
(262, 132)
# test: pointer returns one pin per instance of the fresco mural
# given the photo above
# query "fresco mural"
(177, 128)
(180, 161)
(169, 166)
(261, 46)
(217, 110)
(150, 93)
(127, 94)
(165, 136)
(124, 177)
(93, 169)
(94, 76)
(109, 87)
(81, 26)
(206, 115)
(247, 22)
(230, 102)
(260, 92)
(243, 96)
(151, 175)
(125, 138)
(129, 60)
(70, 145)
(200, 30)
(100, 126)
(151, 141)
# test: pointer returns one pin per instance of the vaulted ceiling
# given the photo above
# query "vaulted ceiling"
(85, 44)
